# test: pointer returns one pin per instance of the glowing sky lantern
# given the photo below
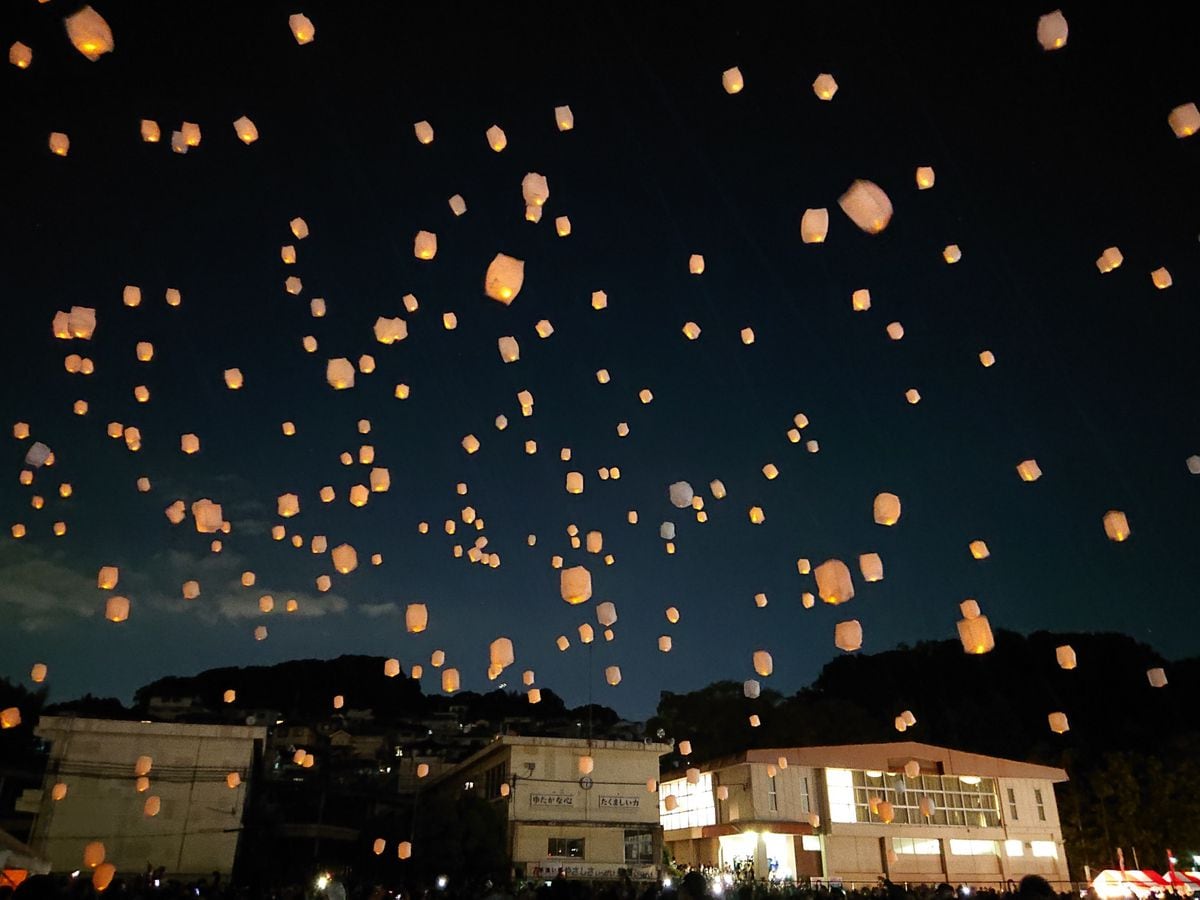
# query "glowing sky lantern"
(825, 86)
(834, 584)
(575, 585)
(150, 131)
(1109, 260)
(425, 245)
(1052, 30)
(848, 636)
(1161, 278)
(505, 275)
(925, 177)
(731, 80)
(89, 33)
(302, 28)
(1184, 120)
(340, 373)
(424, 132)
(886, 509)
(814, 226)
(564, 118)
(59, 143)
(20, 55)
(1116, 526)
(245, 129)
(867, 206)
(1058, 722)
(1029, 470)
(496, 138)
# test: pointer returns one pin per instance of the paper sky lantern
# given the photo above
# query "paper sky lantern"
(246, 131)
(504, 278)
(1029, 470)
(612, 674)
(763, 664)
(895, 331)
(860, 300)
(89, 33)
(535, 189)
(951, 253)
(756, 515)
(847, 636)
(1058, 722)
(1157, 677)
(20, 55)
(1184, 120)
(885, 811)
(886, 509)
(834, 584)
(1065, 656)
(871, 567)
(10, 717)
(1052, 30)
(979, 549)
(680, 494)
(1116, 526)
(696, 264)
(302, 28)
(731, 80)
(976, 635)
(416, 617)
(424, 132)
(867, 206)
(825, 86)
(925, 177)
(814, 226)
(345, 559)
(496, 138)
(425, 245)
(38, 673)
(575, 585)
(103, 876)
(116, 609)
(450, 680)
(1161, 278)
(564, 118)
(108, 577)
(1110, 259)
(340, 373)
(150, 131)
(59, 143)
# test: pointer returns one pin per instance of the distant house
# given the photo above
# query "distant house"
(850, 814)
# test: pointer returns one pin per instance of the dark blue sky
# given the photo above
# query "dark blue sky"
(1042, 161)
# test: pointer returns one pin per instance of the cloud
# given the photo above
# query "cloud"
(39, 590)
(378, 610)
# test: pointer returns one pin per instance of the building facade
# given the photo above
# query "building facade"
(596, 824)
(196, 819)
(908, 811)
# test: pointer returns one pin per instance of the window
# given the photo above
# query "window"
(1041, 805)
(1014, 848)
(840, 785)
(493, 778)
(805, 802)
(1044, 849)
(1012, 805)
(772, 795)
(695, 803)
(565, 848)
(960, 847)
(968, 801)
(639, 848)
(468, 785)
(917, 846)
(810, 842)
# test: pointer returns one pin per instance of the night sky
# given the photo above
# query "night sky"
(1042, 161)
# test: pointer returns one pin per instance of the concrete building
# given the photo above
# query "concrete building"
(196, 829)
(597, 825)
(821, 813)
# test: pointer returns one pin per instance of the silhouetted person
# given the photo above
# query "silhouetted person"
(1035, 887)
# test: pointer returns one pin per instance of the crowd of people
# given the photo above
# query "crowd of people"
(693, 885)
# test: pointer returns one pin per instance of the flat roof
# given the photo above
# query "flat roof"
(79, 724)
(501, 741)
(889, 755)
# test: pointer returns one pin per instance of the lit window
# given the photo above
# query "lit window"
(569, 848)
(1014, 848)
(1012, 805)
(917, 846)
(639, 848)
(840, 784)
(468, 785)
(695, 804)
(805, 802)
(810, 842)
(961, 847)
(1041, 805)
(1044, 849)
(772, 795)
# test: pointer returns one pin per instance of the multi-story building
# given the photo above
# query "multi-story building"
(908, 811)
(186, 815)
(585, 808)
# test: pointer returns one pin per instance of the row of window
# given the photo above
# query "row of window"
(639, 848)
(969, 847)
(855, 796)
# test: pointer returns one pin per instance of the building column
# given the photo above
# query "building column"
(761, 869)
